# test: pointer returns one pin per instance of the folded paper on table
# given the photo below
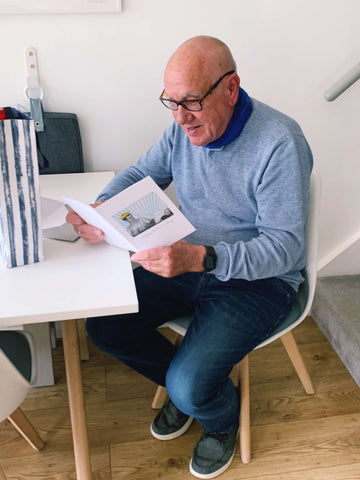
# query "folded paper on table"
(53, 223)
(138, 218)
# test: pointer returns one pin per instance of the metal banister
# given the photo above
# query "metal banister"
(343, 83)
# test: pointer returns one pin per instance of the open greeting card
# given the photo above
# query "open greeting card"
(138, 218)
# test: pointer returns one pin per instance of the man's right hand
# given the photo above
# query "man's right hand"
(88, 232)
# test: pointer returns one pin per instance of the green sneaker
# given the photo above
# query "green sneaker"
(170, 423)
(214, 453)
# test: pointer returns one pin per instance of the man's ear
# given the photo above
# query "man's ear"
(233, 88)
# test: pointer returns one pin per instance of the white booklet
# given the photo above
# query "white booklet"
(140, 217)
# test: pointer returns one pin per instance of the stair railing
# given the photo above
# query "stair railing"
(343, 83)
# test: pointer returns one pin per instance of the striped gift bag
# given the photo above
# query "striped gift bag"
(20, 227)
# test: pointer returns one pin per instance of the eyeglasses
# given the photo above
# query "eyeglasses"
(191, 105)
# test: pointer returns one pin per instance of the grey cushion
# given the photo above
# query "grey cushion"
(17, 349)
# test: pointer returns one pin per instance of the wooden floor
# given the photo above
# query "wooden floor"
(294, 436)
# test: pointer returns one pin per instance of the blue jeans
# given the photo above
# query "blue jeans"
(229, 320)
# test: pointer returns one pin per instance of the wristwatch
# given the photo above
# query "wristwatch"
(209, 262)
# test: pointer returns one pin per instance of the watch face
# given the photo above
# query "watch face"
(210, 259)
(210, 262)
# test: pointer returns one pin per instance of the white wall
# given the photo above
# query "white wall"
(108, 68)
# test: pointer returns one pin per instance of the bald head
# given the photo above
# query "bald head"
(202, 70)
(201, 57)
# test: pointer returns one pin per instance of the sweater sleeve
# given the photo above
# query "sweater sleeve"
(281, 191)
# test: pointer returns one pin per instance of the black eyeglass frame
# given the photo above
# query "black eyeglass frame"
(197, 101)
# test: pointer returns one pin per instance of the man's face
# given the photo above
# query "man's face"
(209, 123)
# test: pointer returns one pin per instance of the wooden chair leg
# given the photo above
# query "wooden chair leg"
(245, 441)
(160, 397)
(83, 340)
(24, 426)
(298, 362)
(178, 339)
(2, 474)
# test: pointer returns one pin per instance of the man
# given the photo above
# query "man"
(241, 172)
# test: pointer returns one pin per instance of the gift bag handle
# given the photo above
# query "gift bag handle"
(37, 114)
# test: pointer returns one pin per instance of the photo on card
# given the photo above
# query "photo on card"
(143, 214)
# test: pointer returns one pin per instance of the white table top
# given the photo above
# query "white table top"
(76, 279)
(81, 186)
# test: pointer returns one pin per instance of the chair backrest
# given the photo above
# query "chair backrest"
(17, 369)
(306, 291)
(13, 387)
(19, 347)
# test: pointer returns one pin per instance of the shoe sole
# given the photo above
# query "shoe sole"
(217, 472)
(213, 474)
(171, 436)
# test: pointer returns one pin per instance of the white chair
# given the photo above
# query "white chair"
(16, 348)
(300, 310)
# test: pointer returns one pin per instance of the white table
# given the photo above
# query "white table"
(75, 280)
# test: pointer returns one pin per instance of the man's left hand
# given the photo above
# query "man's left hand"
(180, 257)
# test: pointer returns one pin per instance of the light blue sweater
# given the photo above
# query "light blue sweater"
(248, 199)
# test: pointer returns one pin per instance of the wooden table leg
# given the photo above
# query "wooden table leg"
(76, 400)
(83, 343)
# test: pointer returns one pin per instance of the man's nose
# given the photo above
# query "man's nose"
(182, 115)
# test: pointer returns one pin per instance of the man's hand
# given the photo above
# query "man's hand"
(88, 232)
(180, 257)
